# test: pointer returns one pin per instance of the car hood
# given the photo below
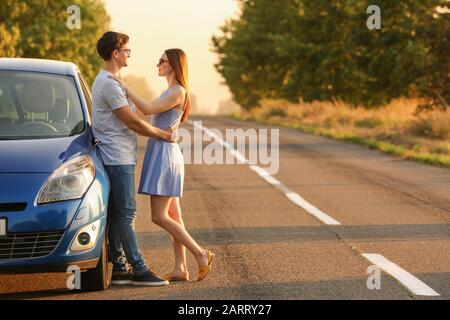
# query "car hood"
(43, 155)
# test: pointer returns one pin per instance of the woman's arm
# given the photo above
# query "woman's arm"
(159, 105)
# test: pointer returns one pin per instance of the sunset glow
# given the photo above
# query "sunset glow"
(156, 25)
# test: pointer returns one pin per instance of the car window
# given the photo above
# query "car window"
(37, 106)
(86, 93)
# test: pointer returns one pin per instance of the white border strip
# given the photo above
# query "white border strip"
(292, 196)
(413, 284)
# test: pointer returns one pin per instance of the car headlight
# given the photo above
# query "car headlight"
(70, 181)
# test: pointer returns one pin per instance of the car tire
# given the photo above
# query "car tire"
(97, 279)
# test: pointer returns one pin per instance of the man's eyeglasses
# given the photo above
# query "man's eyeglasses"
(161, 61)
(128, 51)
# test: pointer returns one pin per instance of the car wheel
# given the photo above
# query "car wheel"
(97, 279)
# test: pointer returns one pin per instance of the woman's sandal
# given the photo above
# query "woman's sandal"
(204, 270)
(184, 276)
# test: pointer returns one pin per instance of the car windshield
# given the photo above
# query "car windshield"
(38, 106)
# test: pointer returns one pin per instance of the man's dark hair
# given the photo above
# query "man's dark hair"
(109, 42)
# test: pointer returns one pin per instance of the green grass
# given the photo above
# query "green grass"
(398, 150)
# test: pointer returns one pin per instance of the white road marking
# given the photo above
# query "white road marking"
(265, 175)
(295, 198)
(292, 196)
(413, 284)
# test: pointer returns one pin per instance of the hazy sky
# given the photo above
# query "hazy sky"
(156, 25)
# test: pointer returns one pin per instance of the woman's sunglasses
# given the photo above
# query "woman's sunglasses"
(161, 61)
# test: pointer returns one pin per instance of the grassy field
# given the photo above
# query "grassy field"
(395, 129)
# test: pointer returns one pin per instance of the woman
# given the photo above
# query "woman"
(163, 168)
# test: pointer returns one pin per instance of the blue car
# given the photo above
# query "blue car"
(53, 187)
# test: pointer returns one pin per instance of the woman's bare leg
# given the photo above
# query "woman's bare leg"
(160, 216)
(179, 249)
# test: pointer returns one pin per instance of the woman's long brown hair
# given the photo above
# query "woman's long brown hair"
(178, 62)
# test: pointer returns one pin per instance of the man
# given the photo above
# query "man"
(115, 123)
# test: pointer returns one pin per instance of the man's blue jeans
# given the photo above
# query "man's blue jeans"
(123, 244)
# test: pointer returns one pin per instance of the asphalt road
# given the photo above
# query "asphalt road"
(268, 247)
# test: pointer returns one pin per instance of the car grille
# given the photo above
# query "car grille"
(29, 245)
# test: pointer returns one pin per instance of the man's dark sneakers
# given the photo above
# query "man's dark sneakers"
(149, 279)
(122, 278)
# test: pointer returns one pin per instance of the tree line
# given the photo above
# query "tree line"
(323, 50)
(38, 29)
